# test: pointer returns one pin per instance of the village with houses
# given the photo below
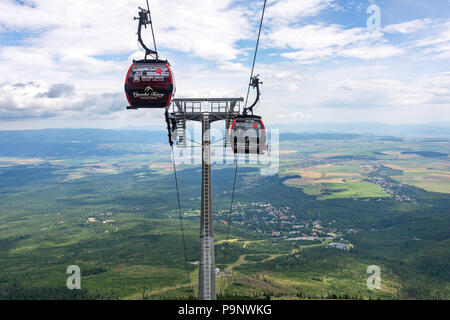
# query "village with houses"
(282, 223)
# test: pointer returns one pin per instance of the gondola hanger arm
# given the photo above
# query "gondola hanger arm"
(254, 83)
(144, 20)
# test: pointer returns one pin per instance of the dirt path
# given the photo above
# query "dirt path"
(241, 260)
(138, 296)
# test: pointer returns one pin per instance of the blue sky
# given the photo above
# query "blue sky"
(63, 63)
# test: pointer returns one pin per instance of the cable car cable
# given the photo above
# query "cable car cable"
(254, 81)
(256, 51)
(153, 33)
(169, 133)
(229, 221)
(181, 219)
(149, 83)
(193, 141)
(217, 141)
(145, 19)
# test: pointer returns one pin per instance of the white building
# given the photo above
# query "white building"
(336, 245)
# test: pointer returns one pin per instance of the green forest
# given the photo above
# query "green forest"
(123, 231)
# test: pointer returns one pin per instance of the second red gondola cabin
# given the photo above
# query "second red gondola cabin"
(248, 135)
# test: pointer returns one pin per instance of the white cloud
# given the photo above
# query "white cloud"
(364, 93)
(437, 45)
(63, 43)
(375, 90)
(317, 37)
(407, 27)
(376, 51)
(295, 115)
(316, 42)
(207, 28)
(287, 11)
(232, 66)
(38, 100)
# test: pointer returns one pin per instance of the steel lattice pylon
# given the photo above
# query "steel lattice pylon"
(193, 109)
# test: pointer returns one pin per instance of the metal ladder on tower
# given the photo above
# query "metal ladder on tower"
(207, 207)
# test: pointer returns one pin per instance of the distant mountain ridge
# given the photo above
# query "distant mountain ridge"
(72, 142)
(82, 142)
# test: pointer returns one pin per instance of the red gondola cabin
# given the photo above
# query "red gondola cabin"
(248, 135)
(149, 84)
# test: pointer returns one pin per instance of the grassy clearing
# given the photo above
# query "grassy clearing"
(435, 182)
(334, 181)
(352, 190)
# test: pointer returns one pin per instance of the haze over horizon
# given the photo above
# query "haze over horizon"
(63, 64)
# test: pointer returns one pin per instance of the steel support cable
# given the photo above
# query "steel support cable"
(194, 141)
(181, 221)
(229, 222)
(217, 141)
(153, 33)
(256, 51)
(201, 144)
(236, 168)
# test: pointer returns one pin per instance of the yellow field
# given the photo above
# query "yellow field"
(316, 175)
(394, 166)
(326, 155)
(342, 174)
(435, 177)
(400, 155)
(5, 161)
(164, 167)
